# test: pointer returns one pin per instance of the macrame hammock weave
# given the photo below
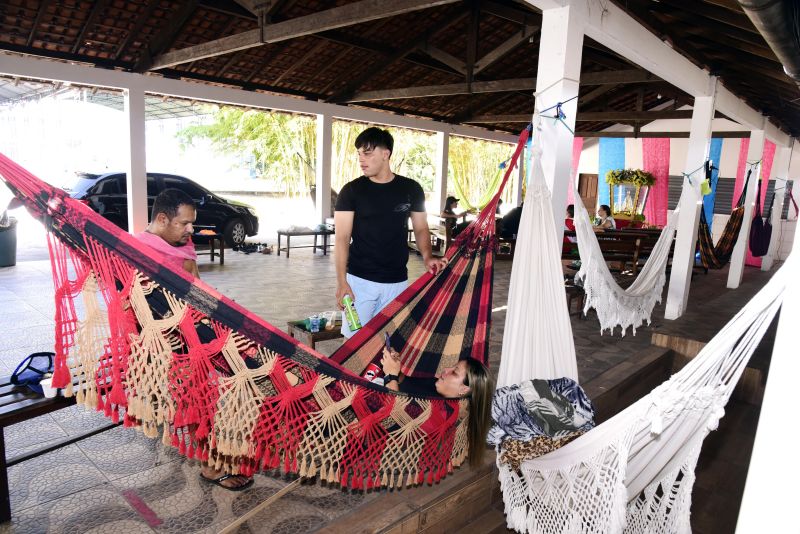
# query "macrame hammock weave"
(717, 256)
(632, 306)
(634, 473)
(172, 356)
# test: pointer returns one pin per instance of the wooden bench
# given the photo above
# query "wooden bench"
(622, 248)
(297, 330)
(18, 404)
(316, 233)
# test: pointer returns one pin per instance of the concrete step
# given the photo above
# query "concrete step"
(491, 522)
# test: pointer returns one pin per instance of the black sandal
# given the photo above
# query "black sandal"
(219, 482)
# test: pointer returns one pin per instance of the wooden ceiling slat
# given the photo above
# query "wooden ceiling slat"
(43, 8)
(163, 40)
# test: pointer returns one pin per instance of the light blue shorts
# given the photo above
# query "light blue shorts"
(370, 297)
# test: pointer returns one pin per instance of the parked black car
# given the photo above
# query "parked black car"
(107, 195)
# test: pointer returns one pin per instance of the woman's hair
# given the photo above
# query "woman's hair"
(481, 389)
(450, 202)
(606, 208)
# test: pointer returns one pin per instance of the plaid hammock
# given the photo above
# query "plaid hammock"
(717, 256)
(170, 355)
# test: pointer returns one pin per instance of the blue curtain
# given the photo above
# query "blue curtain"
(612, 156)
(708, 201)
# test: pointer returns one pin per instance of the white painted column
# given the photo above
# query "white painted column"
(754, 153)
(691, 203)
(137, 162)
(440, 174)
(323, 166)
(782, 159)
(770, 494)
(557, 80)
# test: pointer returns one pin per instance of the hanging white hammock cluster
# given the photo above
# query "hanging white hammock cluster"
(635, 472)
(616, 306)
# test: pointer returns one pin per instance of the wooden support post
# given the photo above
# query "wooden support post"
(442, 162)
(754, 153)
(137, 157)
(557, 80)
(323, 166)
(691, 203)
(782, 160)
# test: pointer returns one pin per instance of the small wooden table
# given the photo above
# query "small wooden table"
(213, 239)
(316, 233)
(297, 330)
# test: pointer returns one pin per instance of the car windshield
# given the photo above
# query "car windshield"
(80, 184)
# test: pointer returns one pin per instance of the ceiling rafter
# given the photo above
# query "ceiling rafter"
(98, 7)
(39, 14)
(337, 17)
(381, 63)
(137, 28)
(166, 37)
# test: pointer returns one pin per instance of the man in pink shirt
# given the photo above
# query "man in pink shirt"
(170, 232)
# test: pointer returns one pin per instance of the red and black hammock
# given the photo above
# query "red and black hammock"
(717, 256)
(170, 355)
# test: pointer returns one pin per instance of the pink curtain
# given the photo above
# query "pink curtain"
(655, 155)
(577, 146)
(766, 169)
(740, 171)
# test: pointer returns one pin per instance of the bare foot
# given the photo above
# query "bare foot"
(225, 480)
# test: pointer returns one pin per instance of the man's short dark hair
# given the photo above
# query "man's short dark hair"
(168, 201)
(375, 137)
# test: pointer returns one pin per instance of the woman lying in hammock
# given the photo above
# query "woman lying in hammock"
(468, 378)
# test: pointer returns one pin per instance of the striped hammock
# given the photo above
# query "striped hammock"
(168, 354)
(717, 256)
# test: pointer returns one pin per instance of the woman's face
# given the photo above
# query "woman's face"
(601, 212)
(450, 383)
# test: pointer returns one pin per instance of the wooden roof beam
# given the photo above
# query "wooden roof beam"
(337, 17)
(443, 57)
(525, 34)
(42, 10)
(671, 135)
(593, 116)
(499, 86)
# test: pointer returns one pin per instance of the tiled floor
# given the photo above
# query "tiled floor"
(121, 481)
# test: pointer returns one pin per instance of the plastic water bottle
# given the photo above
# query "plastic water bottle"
(350, 313)
(314, 320)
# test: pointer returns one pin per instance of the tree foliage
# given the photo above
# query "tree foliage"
(281, 148)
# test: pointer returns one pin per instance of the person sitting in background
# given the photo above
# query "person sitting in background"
(569, 220)
(451, 217)
(468, 378)
(606, 221)
(508, 226)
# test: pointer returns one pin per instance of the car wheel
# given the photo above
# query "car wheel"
(235, 233)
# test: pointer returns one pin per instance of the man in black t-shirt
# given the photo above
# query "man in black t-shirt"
(372, 229)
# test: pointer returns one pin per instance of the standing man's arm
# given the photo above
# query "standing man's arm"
(419, 220)
(344, 230)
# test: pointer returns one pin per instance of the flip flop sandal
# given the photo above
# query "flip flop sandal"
(219, 482)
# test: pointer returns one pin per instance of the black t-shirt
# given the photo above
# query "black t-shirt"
(379, 250)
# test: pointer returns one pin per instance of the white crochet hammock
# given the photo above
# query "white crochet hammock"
(634, 472)
(616, 306)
